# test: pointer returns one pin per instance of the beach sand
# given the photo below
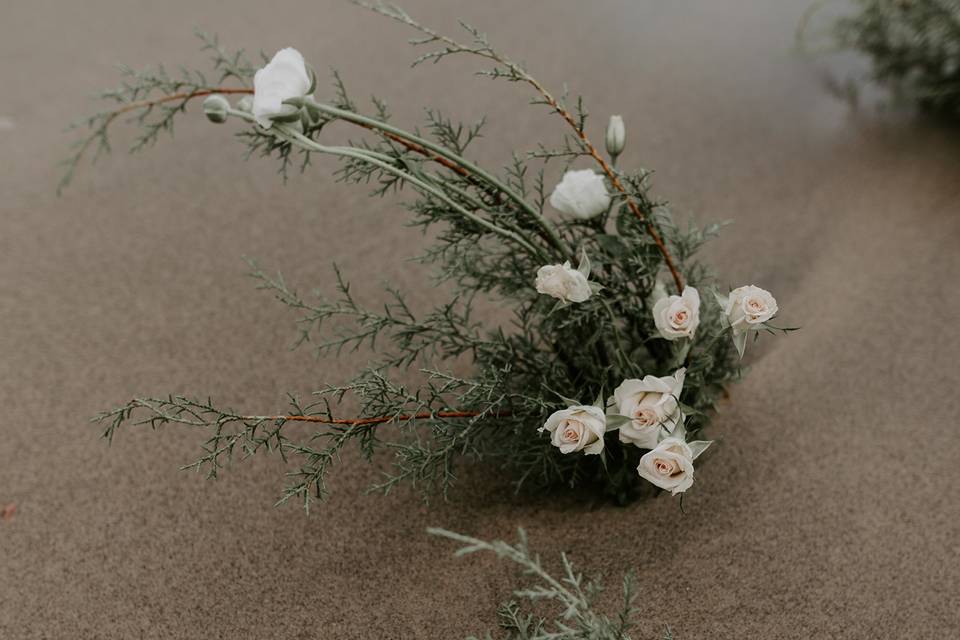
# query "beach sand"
(829, 509)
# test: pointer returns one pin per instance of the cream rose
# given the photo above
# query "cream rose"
(563, 282)
(285, 76)
(578, 428)
(650, 404)
(581, 194)
(678, 316)
(670, 465)
(748, 307)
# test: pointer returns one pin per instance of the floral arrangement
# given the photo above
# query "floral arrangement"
(914, 46)
(609, 370)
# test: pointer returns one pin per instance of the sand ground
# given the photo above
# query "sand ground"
(830, 510)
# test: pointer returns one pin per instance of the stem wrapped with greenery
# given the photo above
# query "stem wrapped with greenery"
(913, 44)
(577, 334)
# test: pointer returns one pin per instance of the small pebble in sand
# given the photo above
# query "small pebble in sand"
(7, 512)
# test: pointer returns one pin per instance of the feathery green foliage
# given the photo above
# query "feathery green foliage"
(914, 45)
(571, 594)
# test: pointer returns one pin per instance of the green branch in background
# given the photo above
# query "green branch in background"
(913, 45)
(571, 595)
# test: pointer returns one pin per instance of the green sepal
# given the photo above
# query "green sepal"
(289, 113)
(740, 342)
(297, 101)
(615, 421)
(699, 446)
(569, 401)
(313, 79)
(598, 402)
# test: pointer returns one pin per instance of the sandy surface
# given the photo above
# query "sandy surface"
(830, 511)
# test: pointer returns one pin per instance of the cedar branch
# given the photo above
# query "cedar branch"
(377, 420)
(186, 96)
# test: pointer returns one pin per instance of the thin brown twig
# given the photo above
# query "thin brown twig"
(452, 166)
(377, 420)
(413, 146)
(615, 181)
(485, 51)
(607, 169)
(189, 95)
(185, 97)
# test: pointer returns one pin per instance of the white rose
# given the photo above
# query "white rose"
(563, 282)
(285, 76)
(670, 465)
(649, 403)
(581, 194)
(749, 307)
(678, 316)
(579, 428)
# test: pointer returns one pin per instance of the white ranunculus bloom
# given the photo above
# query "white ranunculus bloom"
(578, 428)
(670, 465)
(581, 194)
(651, 404)
(563, 282)
(749, 307)
(285, 76)
(678, 316)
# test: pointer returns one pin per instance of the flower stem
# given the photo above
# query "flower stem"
(416, 144)
(304, 142)
(444, 153)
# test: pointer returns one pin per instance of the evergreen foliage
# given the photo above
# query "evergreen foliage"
(914, 45)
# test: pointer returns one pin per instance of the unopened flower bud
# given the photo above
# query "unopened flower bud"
(216, 107)
(616, 136)
(245, 104)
